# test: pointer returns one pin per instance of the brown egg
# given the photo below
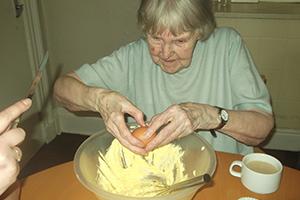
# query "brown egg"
(139, 132)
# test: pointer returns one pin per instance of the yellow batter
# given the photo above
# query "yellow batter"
(140, 176)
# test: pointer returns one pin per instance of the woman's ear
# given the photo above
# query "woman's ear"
(198, 33)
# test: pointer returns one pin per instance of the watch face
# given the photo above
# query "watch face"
(224, 115)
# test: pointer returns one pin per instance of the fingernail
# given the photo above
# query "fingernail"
(27, 101)
(148, 149)
(140, 144)
(30, 96)
(145, 153)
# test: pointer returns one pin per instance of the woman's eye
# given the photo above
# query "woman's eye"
(180, 42)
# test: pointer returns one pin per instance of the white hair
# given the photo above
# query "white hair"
(155, 16)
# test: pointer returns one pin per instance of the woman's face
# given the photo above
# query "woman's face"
(171, 52)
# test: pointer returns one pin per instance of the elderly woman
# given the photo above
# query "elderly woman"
(185, 74)
(9, 138)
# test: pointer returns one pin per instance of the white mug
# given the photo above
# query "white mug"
(260, 173)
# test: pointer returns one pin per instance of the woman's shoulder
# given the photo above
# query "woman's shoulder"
(226, 33)
(224, 36)
(226, 30)
(129, 50)
(135, 46)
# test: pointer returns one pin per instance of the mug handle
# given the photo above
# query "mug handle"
(232, 171)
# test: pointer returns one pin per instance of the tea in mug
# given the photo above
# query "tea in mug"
(262, 167)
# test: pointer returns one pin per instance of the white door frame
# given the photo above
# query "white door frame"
(36, 52)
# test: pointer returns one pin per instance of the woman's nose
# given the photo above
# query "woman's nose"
(166, 51)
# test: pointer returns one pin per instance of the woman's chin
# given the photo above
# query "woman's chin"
(171, 69)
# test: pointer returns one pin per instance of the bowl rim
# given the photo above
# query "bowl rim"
(94, 189)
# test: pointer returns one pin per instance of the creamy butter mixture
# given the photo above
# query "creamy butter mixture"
(124, 172)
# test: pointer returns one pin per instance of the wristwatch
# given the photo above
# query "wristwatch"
(223, 117)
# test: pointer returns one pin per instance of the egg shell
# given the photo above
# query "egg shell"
(139, 132)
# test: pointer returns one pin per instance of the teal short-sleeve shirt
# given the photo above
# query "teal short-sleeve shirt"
(221, 73)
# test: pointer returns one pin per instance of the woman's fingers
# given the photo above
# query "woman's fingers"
(9, 168)
(13, 137)
(130, 142)
(12, 112)
(175, 124)
(166, 134)
(133, 148)
(119, 129)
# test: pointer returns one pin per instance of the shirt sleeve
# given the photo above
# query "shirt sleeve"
(248, 89)
(108, 72)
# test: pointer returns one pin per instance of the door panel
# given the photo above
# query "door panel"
(16, 75)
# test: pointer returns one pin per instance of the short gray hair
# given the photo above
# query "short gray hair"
(154, 16)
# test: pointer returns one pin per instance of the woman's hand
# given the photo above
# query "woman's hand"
(71, 92)
(180, 120)
(247, 126)
(9, 138)
(113, 107)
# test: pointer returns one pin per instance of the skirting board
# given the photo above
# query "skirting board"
(281, 1)
(256, 1)
(71, 123)
(282, 139)
(244, 1)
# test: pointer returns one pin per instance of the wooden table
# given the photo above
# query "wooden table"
(60, 183)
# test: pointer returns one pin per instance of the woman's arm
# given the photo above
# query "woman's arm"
(250, 126)
(72, 93)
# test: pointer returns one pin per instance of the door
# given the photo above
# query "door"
(17, 71)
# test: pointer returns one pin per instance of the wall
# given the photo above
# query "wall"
(83, 31)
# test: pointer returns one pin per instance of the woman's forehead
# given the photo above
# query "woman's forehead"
(169, 33)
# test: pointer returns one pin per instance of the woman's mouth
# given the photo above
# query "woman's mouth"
(168, 61)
